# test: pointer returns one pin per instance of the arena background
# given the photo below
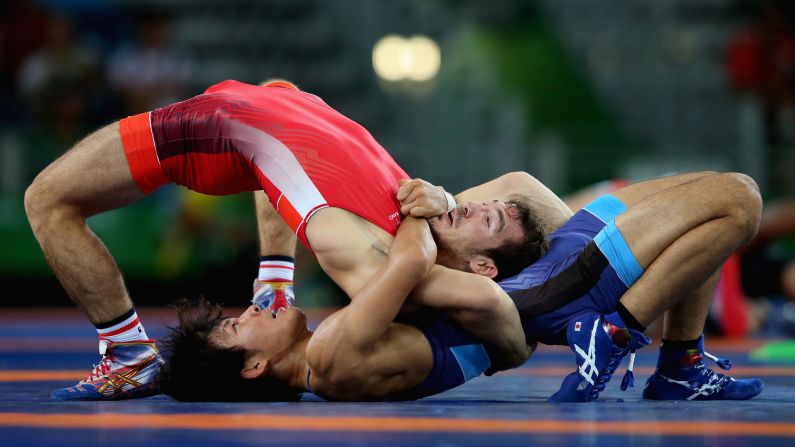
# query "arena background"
(573, 91)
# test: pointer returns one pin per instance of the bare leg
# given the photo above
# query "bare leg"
(695, 227)
(688, 315)
(90, 178)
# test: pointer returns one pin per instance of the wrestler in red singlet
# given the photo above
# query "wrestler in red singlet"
(239, 137)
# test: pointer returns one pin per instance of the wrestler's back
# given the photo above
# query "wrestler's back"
(308, 156)
(331, 182)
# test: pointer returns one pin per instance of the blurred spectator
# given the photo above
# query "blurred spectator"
(22, 31)
(761, 64)
(63, 91)
(767, 267)
(149, 72)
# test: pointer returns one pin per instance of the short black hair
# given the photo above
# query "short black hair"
(197, 369)
(513, 256)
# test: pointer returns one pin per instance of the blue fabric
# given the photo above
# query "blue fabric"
(566, 246)
(472, 359)
(457, 357)
(611, 242)
(606, 208)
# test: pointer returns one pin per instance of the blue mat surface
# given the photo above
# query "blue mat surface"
(507, 409)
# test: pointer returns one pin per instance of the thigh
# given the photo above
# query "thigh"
(93, 176)
(652, 224)
(632, 194)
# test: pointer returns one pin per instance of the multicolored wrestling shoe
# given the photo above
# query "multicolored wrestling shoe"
(127, 370)
(600, 346)
(682, 375)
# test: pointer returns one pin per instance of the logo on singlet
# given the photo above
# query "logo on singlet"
(395, 215)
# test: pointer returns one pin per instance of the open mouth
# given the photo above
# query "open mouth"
(450, 218)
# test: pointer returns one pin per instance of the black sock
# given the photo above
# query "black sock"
(116, 320)
(679, 344)
(629, 319)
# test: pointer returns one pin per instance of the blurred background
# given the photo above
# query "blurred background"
(583, 94)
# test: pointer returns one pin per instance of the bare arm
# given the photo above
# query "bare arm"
(422, 199)
(482, 308)
(342, 344)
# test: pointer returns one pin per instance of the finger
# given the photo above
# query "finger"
(404, 191)
(411, 197)
(406, 208)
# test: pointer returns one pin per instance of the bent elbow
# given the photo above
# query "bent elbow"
(490, 298)
(518, 178)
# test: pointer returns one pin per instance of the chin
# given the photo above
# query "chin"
(294, 313)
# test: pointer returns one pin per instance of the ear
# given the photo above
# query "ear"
(254, 368)
(483, 266)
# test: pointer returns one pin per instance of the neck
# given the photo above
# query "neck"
(446, 259)
(292, 368)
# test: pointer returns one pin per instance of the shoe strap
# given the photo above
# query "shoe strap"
(725, 364)
(628, 381)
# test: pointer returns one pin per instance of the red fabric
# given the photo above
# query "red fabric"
(732, 300)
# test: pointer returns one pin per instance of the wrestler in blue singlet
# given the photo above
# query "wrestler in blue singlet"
(457, 356)
(587, 268)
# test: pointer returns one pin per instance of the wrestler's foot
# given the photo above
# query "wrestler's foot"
(682, 375)
(127, 370)
(273, 295)
(600, 346)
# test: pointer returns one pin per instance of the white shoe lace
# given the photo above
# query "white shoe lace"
(101, 369)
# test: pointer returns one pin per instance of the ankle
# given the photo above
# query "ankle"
(126, 327)
(679, 354)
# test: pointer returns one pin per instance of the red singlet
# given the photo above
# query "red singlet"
(238, 137)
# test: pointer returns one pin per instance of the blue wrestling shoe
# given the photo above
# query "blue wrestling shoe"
(600, 346)
(127, 370)
(682, 375)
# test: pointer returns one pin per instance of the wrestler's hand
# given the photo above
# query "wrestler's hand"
(496, 366)
(419, 198)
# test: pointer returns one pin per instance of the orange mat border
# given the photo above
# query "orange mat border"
(392, 424)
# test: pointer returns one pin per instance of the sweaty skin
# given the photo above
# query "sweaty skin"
(357, 353)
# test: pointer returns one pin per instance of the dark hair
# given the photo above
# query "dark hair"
(513, 256)
(198, 370)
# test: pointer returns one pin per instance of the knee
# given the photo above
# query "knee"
(35, 195)
(42, 205)
(746, 201)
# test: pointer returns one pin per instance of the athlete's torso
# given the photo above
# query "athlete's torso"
(304, 154)
(573, 277)
(431, 355)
